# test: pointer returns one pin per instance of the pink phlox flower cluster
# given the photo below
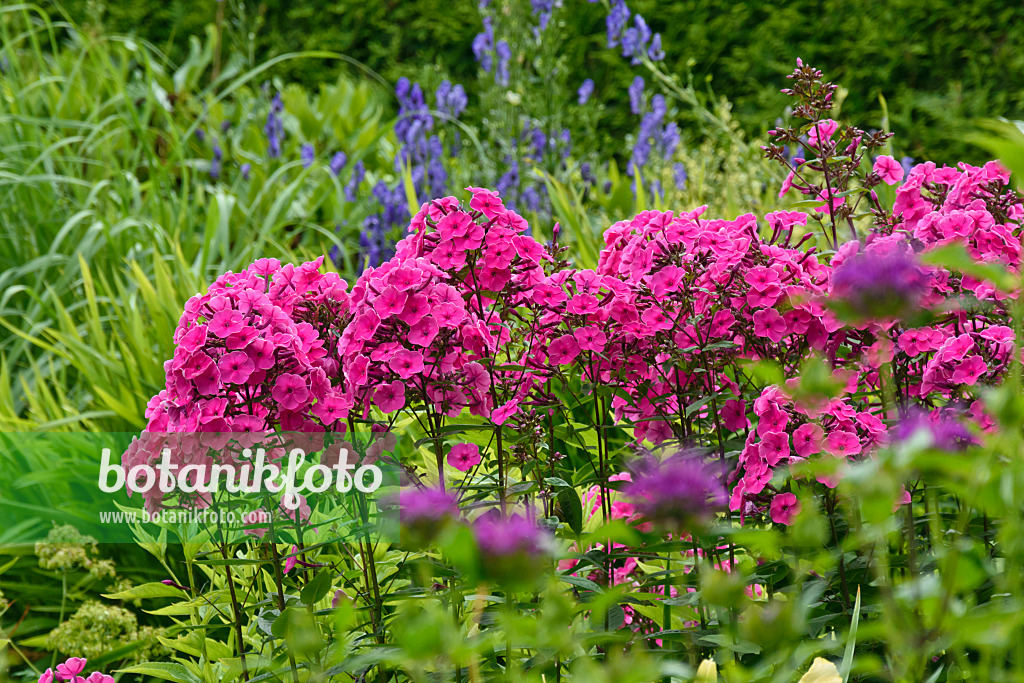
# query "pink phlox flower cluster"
(256, 353)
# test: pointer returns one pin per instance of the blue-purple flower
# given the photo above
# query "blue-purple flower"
(679, 175)
(358, 173)
(504, 53)
(307, 154)
(585, 91)
(636, 94)
(616, 22)
(215, 163)
(274, 128)
(338, 162)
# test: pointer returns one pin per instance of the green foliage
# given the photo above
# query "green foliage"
(111, 222)
(937, 64)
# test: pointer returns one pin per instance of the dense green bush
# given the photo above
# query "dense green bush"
(935, 63)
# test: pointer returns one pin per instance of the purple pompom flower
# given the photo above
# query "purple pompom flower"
(944, 430)
(513, 551)
(680, 492)
(424, 512)
(880, 285)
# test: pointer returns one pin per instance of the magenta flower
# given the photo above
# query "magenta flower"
(293, 559)
(734, 415)
(563, 350)
(226, 322)
(843, 444)
(407, 363)
(71, 668)
(485, 201)
(425, 331)
(947, 432)
(196, 365)
(880, 283)
(235, 367)
(416, 306)
(590, 338)
(784, 508)
(290, 391)
(822, 131)
(768, 323)
(261, 353)
(500, 414)
(807, 439)
(390, 397)
(365, 325)
(46, 677)
(774, 447)
(390, 302)
(464, 456)
(512, 551)
(424, 512)
(888, 169)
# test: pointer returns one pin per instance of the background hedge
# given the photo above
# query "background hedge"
(937, 64)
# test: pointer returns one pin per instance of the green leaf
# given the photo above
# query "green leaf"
(572, 509)
(168, 671)
(315, 590)
(146, 590)
(954, 256)
(851, 641)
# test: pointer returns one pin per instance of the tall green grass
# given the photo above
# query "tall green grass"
(109, 220)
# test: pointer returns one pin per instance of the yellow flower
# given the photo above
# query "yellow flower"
(707, 672)
(822, 671)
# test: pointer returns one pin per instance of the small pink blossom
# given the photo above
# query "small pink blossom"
(500, 414)
(464, 456)
(563, 350)
(784, 508)
(226, 322)
(807, 439)
(843, 444)
(235, 367)
(423, 332)
(390, 397)
(293, 559)
(291, 391)
(407, 363)
(888, 169)
(71, 668)
(590, 338)
(774, 447)
(390, 302)
(768, 323)
(734, 414)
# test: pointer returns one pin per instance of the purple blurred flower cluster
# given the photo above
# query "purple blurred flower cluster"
(678, 492)
(881, 285)
(635, 39)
